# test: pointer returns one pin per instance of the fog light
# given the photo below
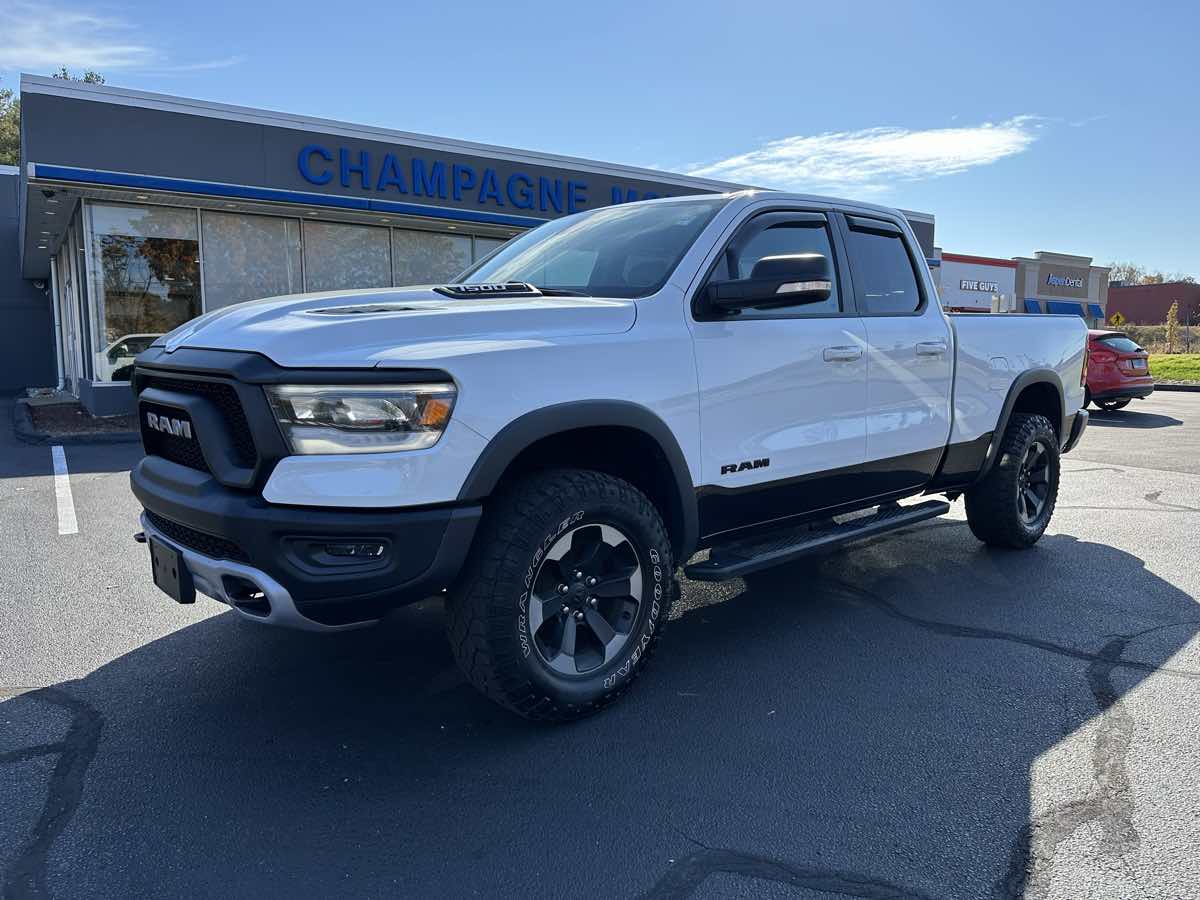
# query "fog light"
(369, 550)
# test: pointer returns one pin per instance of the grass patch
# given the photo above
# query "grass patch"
(1175, 366)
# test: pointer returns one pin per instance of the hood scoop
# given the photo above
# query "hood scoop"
(479, 291)
(367, 310)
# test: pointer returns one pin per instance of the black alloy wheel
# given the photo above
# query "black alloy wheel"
(585, 599)
(1033, 482)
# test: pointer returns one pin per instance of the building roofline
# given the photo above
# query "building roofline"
(1156, 284)
(979, 260)
(106, 93)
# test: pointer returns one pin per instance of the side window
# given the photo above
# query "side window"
(779, 238)
(884, 278)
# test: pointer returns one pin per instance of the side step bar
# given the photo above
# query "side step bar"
(785, 545)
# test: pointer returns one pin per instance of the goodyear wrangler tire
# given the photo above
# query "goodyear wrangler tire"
(568, 587)
(1012, 505)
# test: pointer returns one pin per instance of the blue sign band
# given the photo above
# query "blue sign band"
(247, 192)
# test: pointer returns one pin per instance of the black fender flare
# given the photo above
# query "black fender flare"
(1022, 381)
(548, 421)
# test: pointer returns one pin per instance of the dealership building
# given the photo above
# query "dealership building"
(132, 212)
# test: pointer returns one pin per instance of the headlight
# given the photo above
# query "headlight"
(361, 419)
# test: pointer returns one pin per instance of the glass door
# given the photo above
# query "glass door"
(68, 317)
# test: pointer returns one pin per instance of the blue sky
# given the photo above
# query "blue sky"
(1051, 126)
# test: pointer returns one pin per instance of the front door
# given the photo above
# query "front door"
(783, 391)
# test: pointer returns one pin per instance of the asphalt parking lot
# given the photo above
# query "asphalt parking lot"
(914, 717)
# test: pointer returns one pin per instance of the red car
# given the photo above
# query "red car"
(1118, 370)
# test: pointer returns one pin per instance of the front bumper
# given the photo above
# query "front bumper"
(238, 547)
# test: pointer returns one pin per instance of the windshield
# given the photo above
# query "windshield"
(627, 250)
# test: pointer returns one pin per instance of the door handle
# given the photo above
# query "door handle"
(931, 348)
(841, 354)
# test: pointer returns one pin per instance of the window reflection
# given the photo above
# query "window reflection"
(342, 257)
(145, 276)
(427, 257)
(249, 257)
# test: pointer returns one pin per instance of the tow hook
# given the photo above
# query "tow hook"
(140, 537)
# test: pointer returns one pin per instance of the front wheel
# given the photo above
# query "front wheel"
(566, 592)
(1012, 505)
(1112, 405)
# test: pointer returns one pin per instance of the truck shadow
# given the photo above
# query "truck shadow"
(867, 725)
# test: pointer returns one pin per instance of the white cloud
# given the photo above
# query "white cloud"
(224, 63)
(41, 38)
(869, 159)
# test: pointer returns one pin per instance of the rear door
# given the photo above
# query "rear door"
(910, 356)
(783, 391)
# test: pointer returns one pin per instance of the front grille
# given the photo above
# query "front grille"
(205, 544)
(181, 449)
(225, 399)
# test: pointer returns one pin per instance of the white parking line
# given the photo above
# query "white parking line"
(67, 523)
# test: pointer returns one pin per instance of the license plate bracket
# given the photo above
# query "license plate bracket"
(170, 573)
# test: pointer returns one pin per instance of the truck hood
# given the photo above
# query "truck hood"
(370, 327)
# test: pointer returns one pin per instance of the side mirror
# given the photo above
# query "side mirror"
(776, 281)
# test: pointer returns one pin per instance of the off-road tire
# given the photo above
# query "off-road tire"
(487, 614)
(993, 508)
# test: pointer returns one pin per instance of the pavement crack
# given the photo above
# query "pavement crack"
(950, 629)
(24, 754)
(1155, 497)
(25, 878)
(689, 873)
(1109, 802)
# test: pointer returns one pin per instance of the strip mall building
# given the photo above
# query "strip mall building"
(1045, 283)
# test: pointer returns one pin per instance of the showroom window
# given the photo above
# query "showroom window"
(485, 245)
(342, 257)
(428, 257)
(249, 257)
(145, 278)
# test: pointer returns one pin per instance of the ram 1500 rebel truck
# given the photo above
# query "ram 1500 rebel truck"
(550, 436)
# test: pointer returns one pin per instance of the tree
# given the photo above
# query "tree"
(88, 77)
(10, 128)
(1173, 327)
(1132, 273)
(1126, 272)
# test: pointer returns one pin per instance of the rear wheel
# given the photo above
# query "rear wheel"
(1112, 405)
(565, 594)
(1012, 505)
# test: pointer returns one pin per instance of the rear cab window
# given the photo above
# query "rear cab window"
(885, 277)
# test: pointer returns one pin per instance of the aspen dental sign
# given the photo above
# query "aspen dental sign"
(1063, 281)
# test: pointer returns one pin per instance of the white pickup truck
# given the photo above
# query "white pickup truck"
(550, 436)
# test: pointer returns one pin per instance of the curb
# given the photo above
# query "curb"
(27, 433)
(1176, 386)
